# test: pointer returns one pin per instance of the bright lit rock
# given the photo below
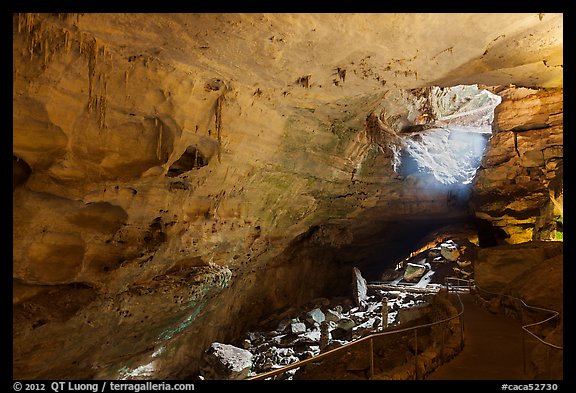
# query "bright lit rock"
(359, 288)
(449, 251)
(414, 272)
(227, 362)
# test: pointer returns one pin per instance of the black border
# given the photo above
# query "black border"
(318, 6)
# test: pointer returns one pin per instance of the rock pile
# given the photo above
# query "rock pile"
(298, 335)
(446, 258)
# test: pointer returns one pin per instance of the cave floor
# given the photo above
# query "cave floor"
(492, 349)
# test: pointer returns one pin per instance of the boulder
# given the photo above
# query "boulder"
(332, 316)
(414, 272)
(406, 315)
(434, 252)
(340, 334)
(283, 324)
(449, 251)
(369, 324)
(359, 288)
(309, 338)
(224, 361)
(297, 327)
(346, 324)
(315, 315)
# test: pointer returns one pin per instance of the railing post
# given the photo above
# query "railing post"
(461, 332)
(524, 351)
(416, 354)
(324, 336)
(384, 313)
(371, 358)
(548, 362)
(442, 342)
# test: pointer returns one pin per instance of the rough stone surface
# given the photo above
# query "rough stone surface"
(498, 267)
(227, 362)
(414, 272)
(297, 327)
(359, 288)
(449, 251)
(316, 316)
(519, 185)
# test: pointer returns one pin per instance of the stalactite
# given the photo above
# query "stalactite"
(126, 85)
(218, 123)
(66, 41)
(103, 104)
(102, 55)
(92, 58)
(46, 51)
(29, 21)
(103, 108)
(159, 146)
(111, 60)
(31, 49)
(95, 50)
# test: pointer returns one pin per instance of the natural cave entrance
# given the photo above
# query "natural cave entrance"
(396, 240)
(447, 132)
(432, 141)
(435, 138)
(439, 144)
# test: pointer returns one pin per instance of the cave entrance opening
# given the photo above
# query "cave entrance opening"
(446, 132)
(436, 138)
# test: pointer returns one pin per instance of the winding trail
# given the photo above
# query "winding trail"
(492, 348)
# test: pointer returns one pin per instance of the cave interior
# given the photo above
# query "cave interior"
(180, 180)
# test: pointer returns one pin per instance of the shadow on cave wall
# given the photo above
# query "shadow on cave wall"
(393, 241)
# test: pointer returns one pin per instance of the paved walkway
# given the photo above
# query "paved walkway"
(492, 348)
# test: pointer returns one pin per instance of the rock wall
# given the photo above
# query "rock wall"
(519, 186)
(497, 269)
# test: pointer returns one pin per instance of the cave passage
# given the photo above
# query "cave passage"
(396, 240)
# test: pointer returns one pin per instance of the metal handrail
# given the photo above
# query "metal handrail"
(370, 337)
(525, 327)
(469, 284)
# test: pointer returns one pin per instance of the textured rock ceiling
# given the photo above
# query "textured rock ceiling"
(405, 50)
